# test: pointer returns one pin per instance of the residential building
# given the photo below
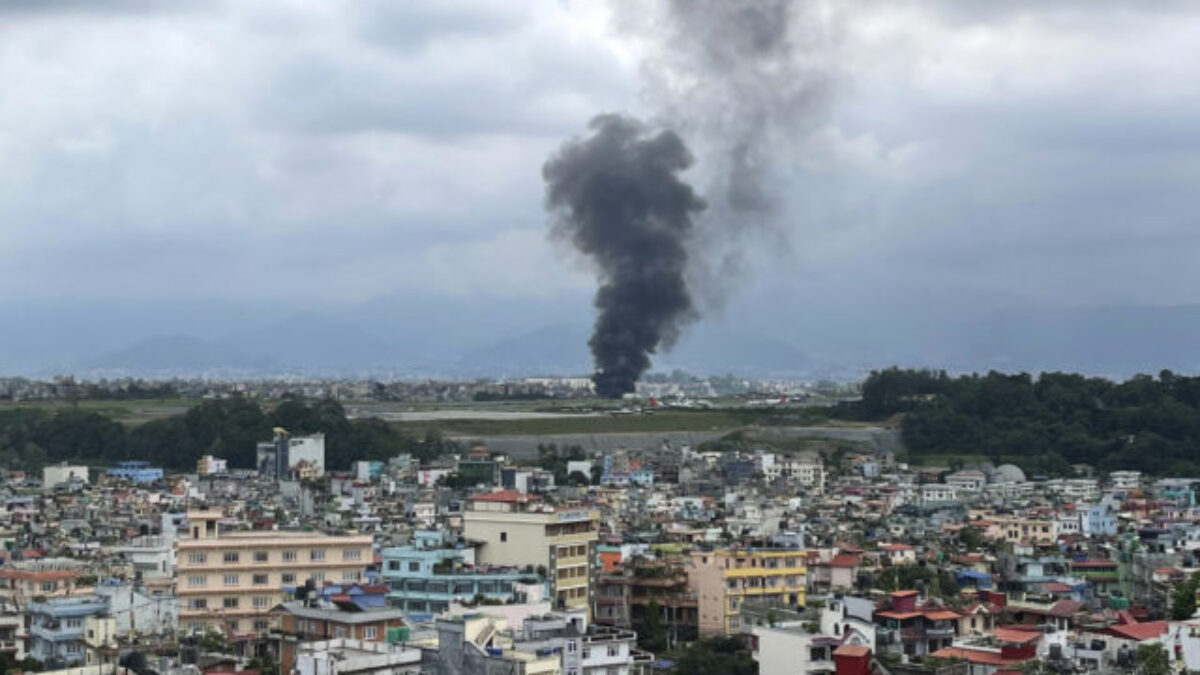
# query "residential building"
(723, 579)
(518, 529)
(912, 628)
(70, 631)
(583, 649)
(302, 621)
(429, 578)
(285, 456)
(233, 579)
(625, 594)
(354, 657)
(787, 649)
(58, 474)
(209, 465)
(136, 472)
(473, 644)
(12, 634)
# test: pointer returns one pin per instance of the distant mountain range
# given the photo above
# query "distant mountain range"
(762, 336)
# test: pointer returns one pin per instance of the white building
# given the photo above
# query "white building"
(209, 465)
(968, 480)
(345, 656)
(938, 492)
(63, 473)
(1126, 480)
(309, 449)
(788, 649)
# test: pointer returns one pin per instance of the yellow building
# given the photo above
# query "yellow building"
(724, 579)
(518, 529)
(235, 578)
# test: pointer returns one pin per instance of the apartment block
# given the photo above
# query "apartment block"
(518, 529)
(302, 621)
(233, 579)
(724, 579)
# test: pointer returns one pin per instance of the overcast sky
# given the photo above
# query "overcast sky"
(344, 151)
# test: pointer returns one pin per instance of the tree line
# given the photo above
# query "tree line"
(1045, 423)
(230, 428)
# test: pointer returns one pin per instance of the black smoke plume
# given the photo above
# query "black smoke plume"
(617, 197)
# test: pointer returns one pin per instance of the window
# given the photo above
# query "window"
(288, 578)
(261, 625)
(231, 556)
(414, 567)
(48, 585)
(74, 648)
(260, 579)
(197, 580)
(351, 576)
(197, 558)
(230, 603)
(352, 554)
(317, 554)
(261, 557)
(318, 577)
(572, 646)
(232, 624)
(289, 556)
(261, 601)
(198, 603)
(74, 623)
(232, 580)
(503, 536)
(339, 631)
(368, 633)
(614, 650)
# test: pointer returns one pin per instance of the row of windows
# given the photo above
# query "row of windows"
(258, 602)
(286, 579)
(289, 555)
(578, 592)
(572, 551)
(572, 572)
(303, 626)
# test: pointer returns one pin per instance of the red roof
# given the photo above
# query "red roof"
(1147, 630)
(975, 656)
(852, 650)
(1058, 587)
(845, 561)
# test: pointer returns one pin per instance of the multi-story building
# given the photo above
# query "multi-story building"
(58, 474)
(624, 595)
(233, 579)
(583, 650)
(428, 576)
(136, 472)
(303, 621)
(70, 631)
(284, 456)
(24, 580)
(723, 579)
(209, 465)
(789, 649)
(12, 632)
(518, 529)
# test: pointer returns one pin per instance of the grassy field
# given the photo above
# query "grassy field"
(127, 412)
(668, 420)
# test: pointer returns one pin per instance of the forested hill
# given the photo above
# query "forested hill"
(229, 428)
(1047, 423)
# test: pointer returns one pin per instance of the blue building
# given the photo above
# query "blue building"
(434, 571)
(70, 630)
(136, 472)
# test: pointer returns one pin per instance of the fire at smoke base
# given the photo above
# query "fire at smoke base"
(616, 195)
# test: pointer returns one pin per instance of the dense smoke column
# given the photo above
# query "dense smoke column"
(617, 197)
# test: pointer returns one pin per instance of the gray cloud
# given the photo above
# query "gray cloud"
(1044, 154)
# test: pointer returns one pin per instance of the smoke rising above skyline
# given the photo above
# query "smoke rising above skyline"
(617, 197)
(731, 76)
